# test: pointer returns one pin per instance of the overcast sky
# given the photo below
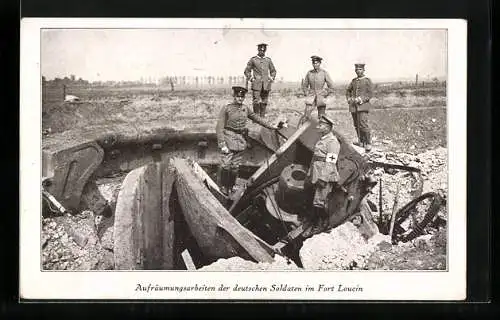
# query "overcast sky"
(129, 54)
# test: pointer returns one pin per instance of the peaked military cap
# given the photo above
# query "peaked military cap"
(316, 58)
(262, 45)
(239, 91)
(359, 65)
(326, 120)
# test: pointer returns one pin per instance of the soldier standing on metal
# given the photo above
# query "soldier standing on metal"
(323, 174)
(313, 86)
(232, 136)
(263, 75)
(358, 95)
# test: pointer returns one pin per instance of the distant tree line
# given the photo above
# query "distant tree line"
(149, 81)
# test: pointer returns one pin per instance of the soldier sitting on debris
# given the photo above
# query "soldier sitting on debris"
(231, 137)
(323, 174)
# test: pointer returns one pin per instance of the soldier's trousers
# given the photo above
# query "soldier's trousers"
(361, 126)
(321, 192)
(260, 99)
(229, 169)
(319, 102)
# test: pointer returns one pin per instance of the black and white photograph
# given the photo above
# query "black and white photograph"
(243, 158)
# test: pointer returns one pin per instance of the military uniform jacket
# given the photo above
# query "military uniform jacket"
(263, 72)
(360, 87)
(326, 147)
(234, 116)
(315, 81)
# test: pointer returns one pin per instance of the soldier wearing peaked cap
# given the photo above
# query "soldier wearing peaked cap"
(313, 86)
(358, 95)
(323, 174)
(260, 71)
(232, 136)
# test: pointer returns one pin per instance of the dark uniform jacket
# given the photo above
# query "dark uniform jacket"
(327, 147)
(231, 123)
(263, 71)
(315, 81)
(360, 87)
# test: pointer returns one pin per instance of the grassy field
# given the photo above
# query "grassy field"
(404, 118)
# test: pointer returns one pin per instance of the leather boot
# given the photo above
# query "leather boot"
(231, 180)
(367, 141)
(263, 107)
(222, 180)
(256, 108)
(321, 112)
(325, 219)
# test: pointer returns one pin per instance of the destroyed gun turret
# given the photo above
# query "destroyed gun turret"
(169, 203)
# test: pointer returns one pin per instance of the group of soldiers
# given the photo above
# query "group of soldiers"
(261, 73)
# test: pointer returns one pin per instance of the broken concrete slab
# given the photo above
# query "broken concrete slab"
(69, 166)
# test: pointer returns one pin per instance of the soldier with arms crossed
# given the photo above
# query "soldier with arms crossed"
(313, 86)
(232, 136)
(260, 71)
(358, 95)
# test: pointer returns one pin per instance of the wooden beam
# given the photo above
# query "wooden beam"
(218, 234)
(188, 260)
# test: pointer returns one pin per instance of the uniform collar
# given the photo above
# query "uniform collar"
(319, 70)
(358, 78)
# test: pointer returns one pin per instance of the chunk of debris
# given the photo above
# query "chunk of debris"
(71, 98)
(343, 248)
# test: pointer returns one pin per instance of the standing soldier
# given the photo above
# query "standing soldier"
(323, 174)
(358, 95)
(232, 136)
(313, 86)
(263, 75)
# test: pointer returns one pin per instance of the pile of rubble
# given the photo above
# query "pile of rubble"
(280, 263)
(342, 248)
(72, 243)
(400, 187)
(83, 241)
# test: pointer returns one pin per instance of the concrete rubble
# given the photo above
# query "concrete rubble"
(433, 166)
(342, 248)
(60, 251)
(239, 264)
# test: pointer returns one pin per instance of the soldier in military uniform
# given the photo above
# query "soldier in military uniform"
(323, 174)
(313, 86)
(231, 137)
(358, 95)
(260, 71)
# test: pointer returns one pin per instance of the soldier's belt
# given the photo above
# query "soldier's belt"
(318, 158)
(330, 158)
(243, 131)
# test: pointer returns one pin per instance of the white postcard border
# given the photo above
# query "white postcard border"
(376, 285)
